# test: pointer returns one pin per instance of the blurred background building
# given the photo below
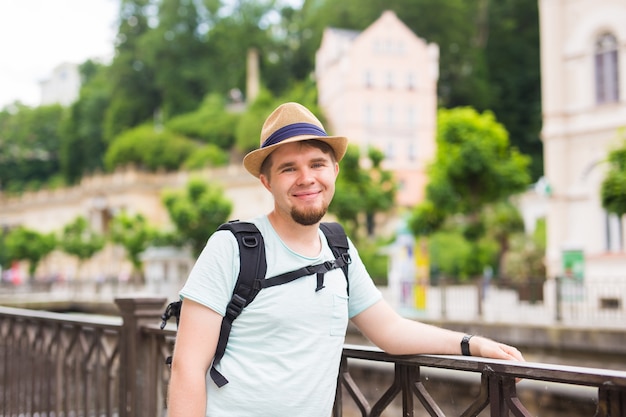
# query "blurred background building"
(379, 88)
(583, 71)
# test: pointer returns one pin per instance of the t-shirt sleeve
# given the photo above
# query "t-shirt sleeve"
(212, 279)
(363, 292)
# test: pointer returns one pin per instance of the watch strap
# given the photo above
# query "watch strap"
(465, 349)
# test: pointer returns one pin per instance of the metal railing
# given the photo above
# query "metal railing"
(72, 365)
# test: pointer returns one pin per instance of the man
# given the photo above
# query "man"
(282, 357)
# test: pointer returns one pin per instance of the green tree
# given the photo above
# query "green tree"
(474, 166)
(82, 144)
(503, 221)
(134, 234)
(177, 52)
(134, 96)
(197, 211)
(613, 188)
(206, 156)
(526, 258)
(248, 131)
(514, 76)
(80, 240)
(241, 26)
(210, 123)
(29, 245)
(29, 146)
(149, 149)
(361, 192)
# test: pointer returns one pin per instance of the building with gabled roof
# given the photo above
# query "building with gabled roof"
(378, 87)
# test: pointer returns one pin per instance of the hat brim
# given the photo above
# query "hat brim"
(253, 160)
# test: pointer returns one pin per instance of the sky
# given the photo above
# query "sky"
(38, 35)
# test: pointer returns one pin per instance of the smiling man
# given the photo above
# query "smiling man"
(283, 350)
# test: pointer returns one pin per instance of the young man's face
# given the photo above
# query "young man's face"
(302, 180)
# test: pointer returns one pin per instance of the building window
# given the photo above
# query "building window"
(606, 69)
(614, 237)
(411, 81)
(368, 115)
(390, 120)
(412, 151)
(390, 151)
(368, 79)
(390, 80)
(411, 117)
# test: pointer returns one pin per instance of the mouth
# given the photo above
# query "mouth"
(306, 195)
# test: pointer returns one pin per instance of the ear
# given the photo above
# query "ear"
(266, 182)
(336, 169)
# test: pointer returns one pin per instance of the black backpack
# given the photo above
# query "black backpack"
(251, 278)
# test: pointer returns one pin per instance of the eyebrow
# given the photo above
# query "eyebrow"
(291, 163)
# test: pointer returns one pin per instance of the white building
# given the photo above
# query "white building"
(583, 68)
(62, 87)
(379, 88)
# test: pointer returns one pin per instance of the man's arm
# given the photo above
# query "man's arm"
(196, 341)
(399, 336)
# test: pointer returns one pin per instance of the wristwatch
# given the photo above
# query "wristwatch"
(465, 349)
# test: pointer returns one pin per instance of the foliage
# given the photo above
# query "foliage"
(454, 257)
(512, 57)
(525, 260)
(211, 123)
(473, 174)
(4, 256)
(361, 192)
(502, 221)
(197, 211)
(82, 144)
(206, 156)
(613, 188)
(29, 145)
(374, 260)
(134, 98)
(177, 56)
(248, 132)
(80, 240)
(134, 234)
(474, 166)
(149, 149)
(25, 244)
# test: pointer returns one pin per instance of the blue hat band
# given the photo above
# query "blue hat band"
(289, 131)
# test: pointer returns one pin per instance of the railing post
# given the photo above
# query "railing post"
(135, 313)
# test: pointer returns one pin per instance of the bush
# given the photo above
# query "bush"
(149, 149)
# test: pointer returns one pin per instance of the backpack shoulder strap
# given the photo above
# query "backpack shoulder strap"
(338, 242)
(252, 269)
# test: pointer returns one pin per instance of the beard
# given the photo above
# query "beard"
(308, 217)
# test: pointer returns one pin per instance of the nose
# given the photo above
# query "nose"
(305, 176)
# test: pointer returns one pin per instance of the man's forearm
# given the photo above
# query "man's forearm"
(186, 395)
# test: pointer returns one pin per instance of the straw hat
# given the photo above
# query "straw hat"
(290, 122)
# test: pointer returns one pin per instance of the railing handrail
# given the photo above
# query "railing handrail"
(584, 376)
(573, 375)
(78, 319)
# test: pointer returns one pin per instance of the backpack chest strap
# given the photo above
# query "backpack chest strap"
(319, 269)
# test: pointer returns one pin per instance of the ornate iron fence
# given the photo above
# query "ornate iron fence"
(67, 365)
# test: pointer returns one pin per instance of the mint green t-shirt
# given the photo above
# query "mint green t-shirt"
(283, 354)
